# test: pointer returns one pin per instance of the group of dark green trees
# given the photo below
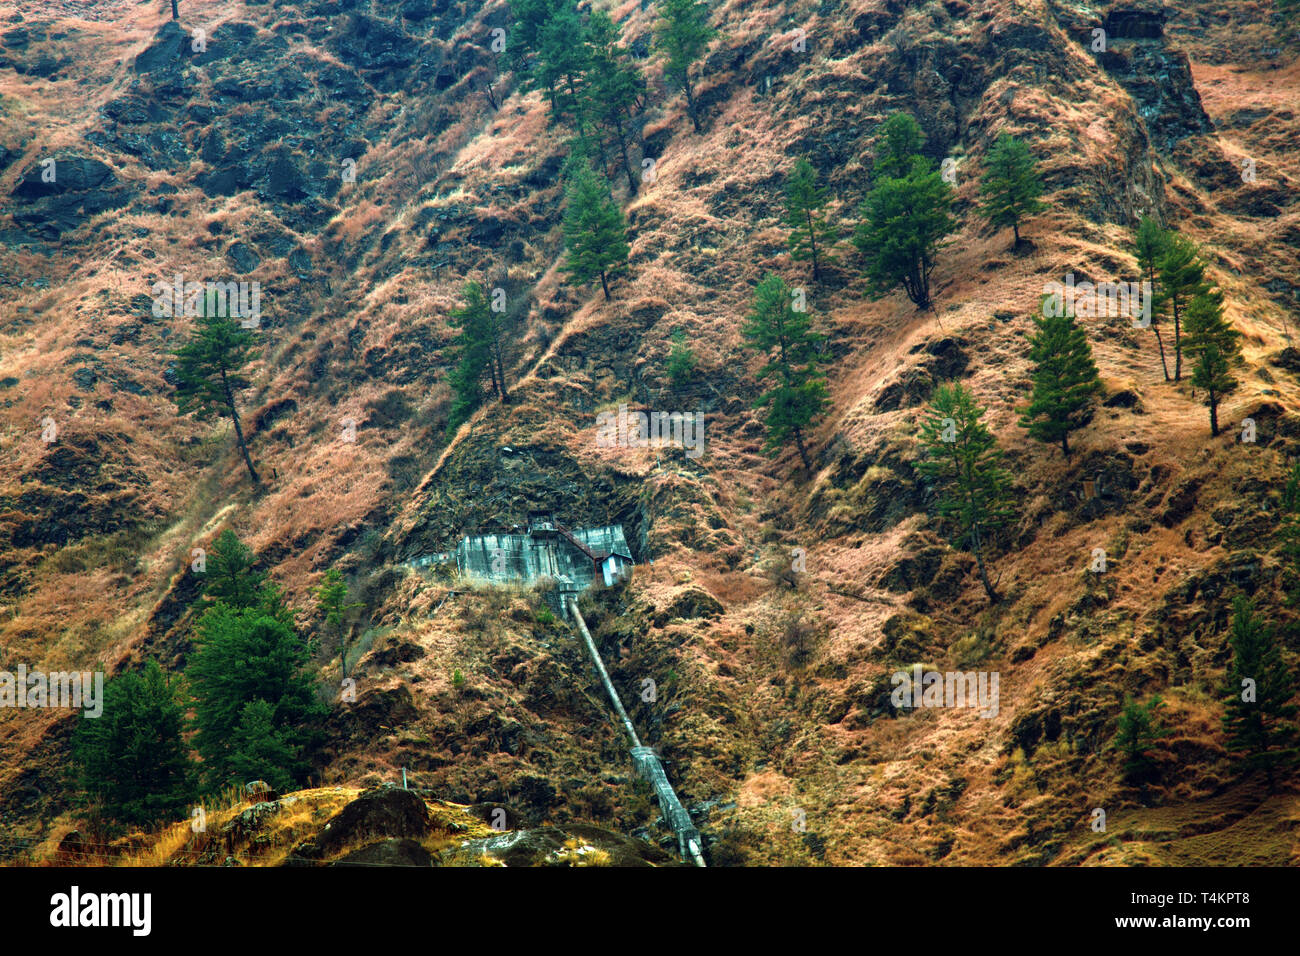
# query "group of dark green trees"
(590, 81)
(904, 221)
(246, 703)
(1184, 295)
(594, 88)
(906, 217)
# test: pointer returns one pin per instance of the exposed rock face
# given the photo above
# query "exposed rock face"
(1135, 23)
(940, 361)
(390, 852)
(57, 197)
(167, 52)
(242, 257)
(386, 811)
(1159, 79)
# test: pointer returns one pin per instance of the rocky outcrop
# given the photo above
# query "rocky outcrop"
(1158, 78)
(390, 852)
(58, 194)
(940, 361)
(384, 811)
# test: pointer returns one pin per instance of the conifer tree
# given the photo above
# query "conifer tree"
(545, 47)
(964, 459)
(1289, 534)
(478, 350)
(332, 601)
(681, 360)
(565, 61)
(1065, 379)
(260, 750)
(810, 235)
(614, 86)
(682, 34)
(1214, 347)
(1011, 185)
(1182, 279)
(466, 378)
(209, 370)
(231, 578)
(1137, 734)
(243, 656)
(905, 217)
(1259, 718)
(595, 232)
(785, 338)
(898, 144)
(132, 756)
(1149, 245)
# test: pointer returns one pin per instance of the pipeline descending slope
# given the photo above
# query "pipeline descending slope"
(646, 760)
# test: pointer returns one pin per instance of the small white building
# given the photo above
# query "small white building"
(615, 567)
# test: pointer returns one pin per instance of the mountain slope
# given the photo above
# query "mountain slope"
(228, 163)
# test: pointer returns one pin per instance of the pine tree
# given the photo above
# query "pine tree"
(810, 234)
(1138, 732)
(1259, 718)
(1065, 380)
(905, 222)
(478, 349)
(1011, 185)
(595, 232)
(243, 656)
(964, 459)
(785, 338)
(332, 601)
(1215, 348)
(681, 360)
(1289, 535)
(1148, 246)
(682, 34)
(1182, 279)
(906, 215)
(546, 50)
(262, 751)
(231, 578)
(615, 85)
(208, 370)
(564, 61)
(132, 756)
(465, 379)
(899, 142)
(271, 603)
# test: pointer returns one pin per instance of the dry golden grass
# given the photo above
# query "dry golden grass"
(695, 262)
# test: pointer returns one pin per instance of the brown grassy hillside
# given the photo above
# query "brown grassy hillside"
(227, 163)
